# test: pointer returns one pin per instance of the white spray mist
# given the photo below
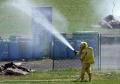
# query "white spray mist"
(25, 6)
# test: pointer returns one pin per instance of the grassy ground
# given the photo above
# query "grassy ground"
(66, 82)
(68, 76)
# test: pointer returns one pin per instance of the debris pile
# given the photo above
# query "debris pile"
(109, 22)
(13, 69)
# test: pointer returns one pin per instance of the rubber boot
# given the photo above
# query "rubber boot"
(90, 74)
(82, 77)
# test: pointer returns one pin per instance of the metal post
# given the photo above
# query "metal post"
(53, 58)
(99, 58)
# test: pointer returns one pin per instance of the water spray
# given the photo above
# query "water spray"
(25, 6)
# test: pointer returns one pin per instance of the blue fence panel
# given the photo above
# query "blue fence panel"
(14, 50)
(37, 52)
(3, 50)
(29, 50)
(41, 47)
(26, 50)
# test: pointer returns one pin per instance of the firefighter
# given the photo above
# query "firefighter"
(87, 58)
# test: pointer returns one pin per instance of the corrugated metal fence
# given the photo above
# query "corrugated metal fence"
(61, 56)
(106, 48)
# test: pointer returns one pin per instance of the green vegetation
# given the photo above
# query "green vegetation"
(65, 82)
(68, 76)
(68, 16)
(78, 13)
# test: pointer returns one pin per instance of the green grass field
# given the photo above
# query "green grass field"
(68, 76)
(78, 14)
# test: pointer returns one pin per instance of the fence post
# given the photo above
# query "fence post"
(99, 58)
(53, 64)
(52, 53)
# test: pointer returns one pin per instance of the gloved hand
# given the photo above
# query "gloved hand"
(75, 52)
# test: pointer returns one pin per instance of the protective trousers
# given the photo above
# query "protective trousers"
(85, 67)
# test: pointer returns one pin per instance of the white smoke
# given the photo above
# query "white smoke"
(106, 7)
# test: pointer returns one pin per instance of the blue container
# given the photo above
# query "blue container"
(13, 50)
(26, 50)
(3, 50)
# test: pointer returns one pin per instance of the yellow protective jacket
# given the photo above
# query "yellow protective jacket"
(87, 55)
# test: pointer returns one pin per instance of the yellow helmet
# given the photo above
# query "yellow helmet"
(83, 45)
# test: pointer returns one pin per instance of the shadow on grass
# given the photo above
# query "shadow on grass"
(80, 81)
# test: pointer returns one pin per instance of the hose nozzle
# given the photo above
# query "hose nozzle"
(75, 52)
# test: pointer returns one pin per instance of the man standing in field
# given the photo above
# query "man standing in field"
(87, 58)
